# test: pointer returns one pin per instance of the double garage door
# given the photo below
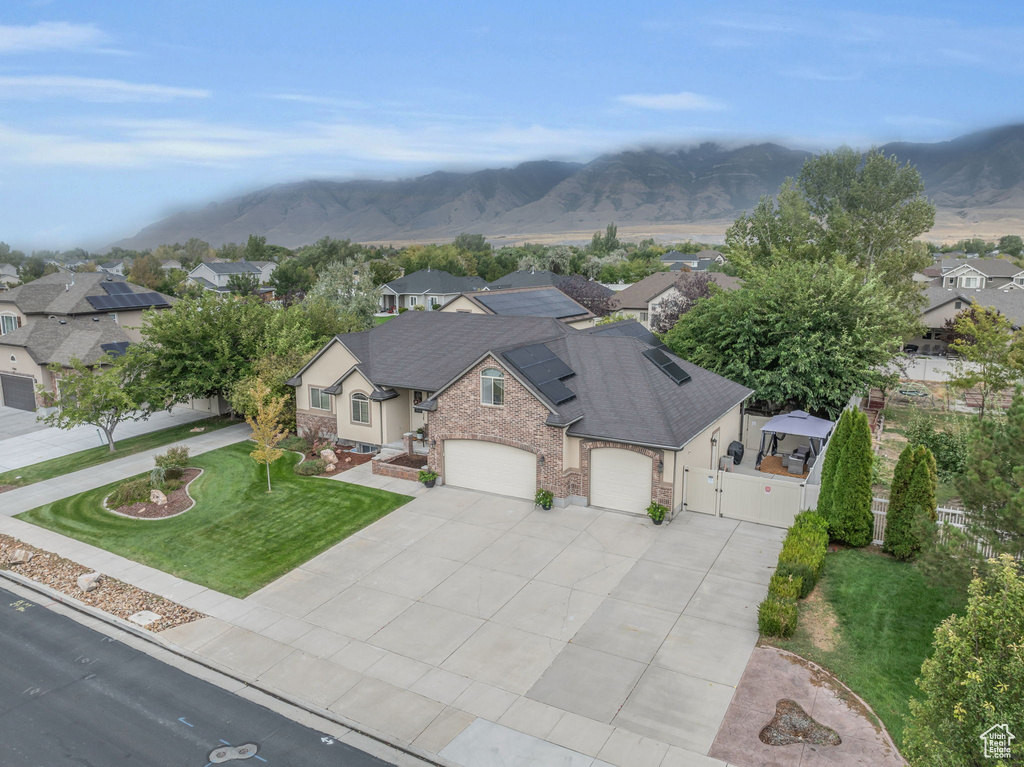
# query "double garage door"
(18, 392)
(490, 467)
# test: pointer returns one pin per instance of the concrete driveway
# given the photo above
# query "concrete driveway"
(471, 625)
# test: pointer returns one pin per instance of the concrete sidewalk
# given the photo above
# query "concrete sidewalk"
(24, 441)
(25, 498)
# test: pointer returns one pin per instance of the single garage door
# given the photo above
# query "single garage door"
(620, 479)
(18, 392)
(490, 467)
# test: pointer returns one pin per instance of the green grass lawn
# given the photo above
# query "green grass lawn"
(382, 320)
(237, 538)
(84, 459)
(872, 626)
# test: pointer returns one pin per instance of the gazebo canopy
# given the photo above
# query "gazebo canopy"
(799, 423)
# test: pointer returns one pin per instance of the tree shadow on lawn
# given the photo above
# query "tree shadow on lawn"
(237, 538)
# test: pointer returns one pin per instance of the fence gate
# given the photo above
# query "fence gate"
(762, 500)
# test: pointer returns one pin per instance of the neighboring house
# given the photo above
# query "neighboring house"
(27, 353)
(980, 274)
(543, 301)
(168, 264)
(698, 262)
(214, 275)
(98, 303)
(641, 299)
(944, 304)
(118, 266)
(9, 274)
(604, 416)
(526, 278)
(427, 288)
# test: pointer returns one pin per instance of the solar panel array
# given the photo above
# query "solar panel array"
(117, 349)
(126, 301)
(531, 303)
(116, 288)
(543, 369)
(667, 366)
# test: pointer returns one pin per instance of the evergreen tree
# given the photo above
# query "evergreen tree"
(828, 470)
(851, 520)
(901, 476)
(915, 504)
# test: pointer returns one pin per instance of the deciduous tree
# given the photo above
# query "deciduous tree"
(591, 295)
(243, 284)
(358, 300)
(690, 287)
(267, 430)
(990, 354)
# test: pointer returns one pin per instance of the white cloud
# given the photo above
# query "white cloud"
(684, 101)
(50, 36)
(36, 87)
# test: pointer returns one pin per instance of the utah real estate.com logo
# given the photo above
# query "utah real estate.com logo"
(997, 740)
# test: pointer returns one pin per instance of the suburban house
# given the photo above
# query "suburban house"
(980, 274)
(214, 275)
(604, 416)
(523, 302)
(944, 304)
(9, 274)
(641, 299)
(118, 266)
(427, 288)
(168, 264)
(60, 316)
(697, 262)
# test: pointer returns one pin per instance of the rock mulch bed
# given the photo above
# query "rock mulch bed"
(414, 461)
(346, 461)
(178, 501)
(791, 724)
(111, 596)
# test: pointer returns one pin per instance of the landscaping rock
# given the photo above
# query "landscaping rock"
(157, 497)
(198, 428)
(331, 467)
(144, 617)
(21, 556)
(792, 724)
(89, 582)
(329, 455)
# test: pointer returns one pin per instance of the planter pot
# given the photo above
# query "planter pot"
(658, 521)
(546, 506)
(429, 483)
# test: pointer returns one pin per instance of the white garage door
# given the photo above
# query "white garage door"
(490, 467)
(620, 479)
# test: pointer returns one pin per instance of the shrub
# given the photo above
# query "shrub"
(916, 503)
(403, 309)
(157, 476)
(777, 617)
(833, 451)
(294, 443)
(129, 492)
(798, 572)
(171, 485)
(786, 586)
(312, 467)
(851, 520)
(173, 463)
(950, 446)
(656, 511)
(426, 475)
(315, 434)
(811, 519)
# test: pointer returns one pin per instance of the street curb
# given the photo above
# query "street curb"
(156, 639)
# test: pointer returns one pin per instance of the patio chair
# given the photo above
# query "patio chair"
(794, 463)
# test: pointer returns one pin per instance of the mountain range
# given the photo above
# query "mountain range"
(975, 180)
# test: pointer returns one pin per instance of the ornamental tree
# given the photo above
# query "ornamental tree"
(105, 394)
(828, 470)
(267, 430)
(989, 354)
(973, 680)
(852, 521)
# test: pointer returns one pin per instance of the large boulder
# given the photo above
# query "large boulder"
(21, 556)
(157, 497)
(329, 455)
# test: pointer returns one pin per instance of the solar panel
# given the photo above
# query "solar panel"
(667, 366)
(114, 288)
(117, 349)
(532, 303)
(632, 330)
(126, 301)
(556, 391)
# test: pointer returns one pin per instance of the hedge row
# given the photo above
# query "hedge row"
(800, 563)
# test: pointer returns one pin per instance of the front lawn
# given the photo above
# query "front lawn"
(382, 320)
(870, 621)
(84, 459)
(237, 538)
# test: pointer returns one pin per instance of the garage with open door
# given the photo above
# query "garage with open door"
(490, 467)
(18, 391)
(620, 479)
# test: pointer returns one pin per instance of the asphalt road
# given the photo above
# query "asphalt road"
(72, 696)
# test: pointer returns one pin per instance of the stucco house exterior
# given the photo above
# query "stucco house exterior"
(427, 288)
(60, 316)
(641, 299)
(944, 304)
(214, 275)
(603, 416)
(523, 302)
(979, 274)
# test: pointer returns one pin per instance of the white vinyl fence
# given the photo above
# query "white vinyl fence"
(954, 517)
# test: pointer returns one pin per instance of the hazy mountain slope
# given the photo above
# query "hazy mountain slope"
(975, 175)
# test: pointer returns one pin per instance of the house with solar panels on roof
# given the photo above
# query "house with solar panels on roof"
(62, 316)
(543, 301)
(604, 416)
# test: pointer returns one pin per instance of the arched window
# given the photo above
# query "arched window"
(492, 387)
(360, 408)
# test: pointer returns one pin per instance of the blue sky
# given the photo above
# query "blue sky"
(114, 114)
